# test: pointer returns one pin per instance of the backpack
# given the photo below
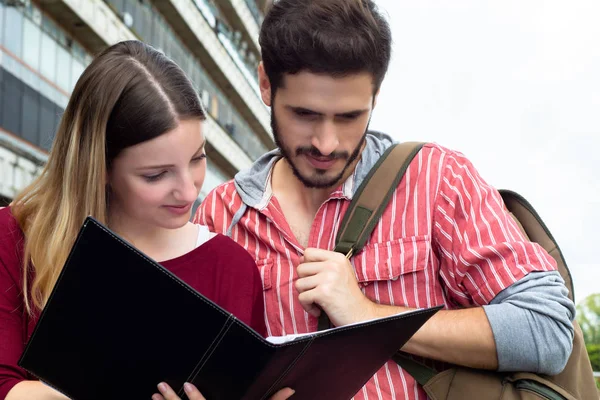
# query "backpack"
(575, 382)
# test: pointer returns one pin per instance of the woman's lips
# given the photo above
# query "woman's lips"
(179, 210)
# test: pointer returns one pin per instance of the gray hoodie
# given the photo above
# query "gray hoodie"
(530, 320)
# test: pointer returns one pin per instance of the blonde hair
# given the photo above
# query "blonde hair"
(129, 94)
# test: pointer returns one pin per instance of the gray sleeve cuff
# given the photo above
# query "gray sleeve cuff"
(531, 323)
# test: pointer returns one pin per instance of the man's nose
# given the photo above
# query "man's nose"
(326, 138)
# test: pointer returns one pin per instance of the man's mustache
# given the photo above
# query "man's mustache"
(314, 152)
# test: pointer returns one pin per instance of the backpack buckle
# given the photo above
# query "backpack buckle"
(350, 252)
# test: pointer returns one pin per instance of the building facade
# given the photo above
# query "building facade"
(46, 44)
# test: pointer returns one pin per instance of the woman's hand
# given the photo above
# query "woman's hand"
(166, 393)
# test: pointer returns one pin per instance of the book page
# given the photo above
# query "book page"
(291, 337)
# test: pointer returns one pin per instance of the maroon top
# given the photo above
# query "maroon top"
(220, 269)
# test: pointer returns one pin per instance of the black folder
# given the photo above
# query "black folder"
(117, 323)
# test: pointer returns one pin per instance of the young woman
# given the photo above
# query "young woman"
(130, 152)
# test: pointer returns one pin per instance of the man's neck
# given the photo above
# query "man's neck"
(287, 187)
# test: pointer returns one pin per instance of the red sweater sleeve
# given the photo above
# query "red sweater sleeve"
(12, 335)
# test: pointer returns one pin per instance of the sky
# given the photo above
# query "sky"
(515, 86)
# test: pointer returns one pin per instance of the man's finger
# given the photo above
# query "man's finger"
(310, 268)
(308, 283)
(307, 302)
(312, 254)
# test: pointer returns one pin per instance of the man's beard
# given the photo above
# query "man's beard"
(320, 181)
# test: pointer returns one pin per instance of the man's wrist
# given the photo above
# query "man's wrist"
(374, 310)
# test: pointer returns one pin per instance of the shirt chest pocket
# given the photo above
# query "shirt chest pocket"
(264, 268)
(389, 260)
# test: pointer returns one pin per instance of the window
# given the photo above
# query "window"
(2, 96)
(48, 58)
(11, 110)
(30, 116)
(49, 27)
(13, 31)
(31, 44)
(1, 21)
(117, 4)
(47, 122)
(77, 70)
(63, 68)
(145, 17)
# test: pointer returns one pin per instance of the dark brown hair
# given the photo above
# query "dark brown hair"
(335, 37)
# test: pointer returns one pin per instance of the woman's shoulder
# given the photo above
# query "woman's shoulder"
(231, 252)
(9, 227)
(11, 240)
(230, 247)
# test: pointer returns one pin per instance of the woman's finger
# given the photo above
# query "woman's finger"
(167, 392)
(283, 394)
(192, 392)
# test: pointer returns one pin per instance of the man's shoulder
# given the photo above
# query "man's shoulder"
(431, 153)
(221, 200)
(223, 192)
(436, 154)
(438, 150)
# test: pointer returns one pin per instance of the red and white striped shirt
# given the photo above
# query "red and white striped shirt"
(444, 239)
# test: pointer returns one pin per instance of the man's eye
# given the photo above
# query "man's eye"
(305, 114)
(350, 117)
(154, 178)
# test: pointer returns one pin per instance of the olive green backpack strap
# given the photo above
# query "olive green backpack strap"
(370, 200)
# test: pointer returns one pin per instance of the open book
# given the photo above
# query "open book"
(117, 323)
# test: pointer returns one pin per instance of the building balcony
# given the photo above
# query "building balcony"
(244, 16)
(95, 25)
(192, 26)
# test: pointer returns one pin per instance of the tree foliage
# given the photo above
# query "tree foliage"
(588, 317)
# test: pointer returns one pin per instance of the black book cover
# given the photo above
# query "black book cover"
(117, 323)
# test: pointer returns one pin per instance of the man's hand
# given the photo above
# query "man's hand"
(326, 281)
(166, 393)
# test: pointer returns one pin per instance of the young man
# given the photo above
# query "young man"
(444, 239)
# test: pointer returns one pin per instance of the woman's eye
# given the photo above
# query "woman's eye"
(154, 178)
(199, 158)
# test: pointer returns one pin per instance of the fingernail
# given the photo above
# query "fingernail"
(188, 387)
(162, 387)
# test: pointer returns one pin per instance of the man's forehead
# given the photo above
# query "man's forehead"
(327, 94)
(304, 77)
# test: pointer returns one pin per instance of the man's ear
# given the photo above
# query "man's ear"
(375, 97)
(264, 85)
